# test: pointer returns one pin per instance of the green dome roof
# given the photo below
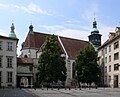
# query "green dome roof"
(12, 33)
(94, 30)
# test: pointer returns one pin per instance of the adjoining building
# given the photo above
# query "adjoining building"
(109, 54)
(8, 59)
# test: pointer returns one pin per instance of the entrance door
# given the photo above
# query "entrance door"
(24, 82)
(115, 81)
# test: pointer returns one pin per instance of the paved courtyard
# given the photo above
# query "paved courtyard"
(100, 92)
(16, 92)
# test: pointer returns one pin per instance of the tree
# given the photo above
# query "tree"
(88, 70)
(51, 63)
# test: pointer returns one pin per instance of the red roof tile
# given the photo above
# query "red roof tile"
(72, 46)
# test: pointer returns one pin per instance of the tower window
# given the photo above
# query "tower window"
(10, 46)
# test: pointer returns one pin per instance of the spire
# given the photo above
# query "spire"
(12, 32)
(31, 28)
(95, 30)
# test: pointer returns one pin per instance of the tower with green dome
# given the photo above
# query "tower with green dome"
(95, 37)
(12, 32)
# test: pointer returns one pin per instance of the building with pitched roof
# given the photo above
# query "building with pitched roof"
(35, 40)
(8, 59)
(109, 61)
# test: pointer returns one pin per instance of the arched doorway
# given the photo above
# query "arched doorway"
(24, 82)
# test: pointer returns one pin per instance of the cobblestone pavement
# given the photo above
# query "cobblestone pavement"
(100, 92)
(9, 92)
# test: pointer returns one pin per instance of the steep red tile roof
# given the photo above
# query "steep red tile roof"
(34, 40)
(24, 60)
(72, 46)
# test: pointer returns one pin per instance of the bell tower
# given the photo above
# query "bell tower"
(95, 37)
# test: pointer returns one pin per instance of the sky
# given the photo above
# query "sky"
(68, 18)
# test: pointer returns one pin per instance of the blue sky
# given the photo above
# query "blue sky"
(69, 18)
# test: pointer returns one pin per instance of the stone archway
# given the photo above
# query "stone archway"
(24, 82)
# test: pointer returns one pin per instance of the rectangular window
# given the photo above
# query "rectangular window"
(109, 78)
(10, 46)
(106, 50)
(116, 67)
(109, 68)
(102, 52)
(9, 77)
(105, 69)
(105, 59)
(0, 76)
(0, 45)
(116, 45)
(109, 48)
(9, 61)
(116, 56)
(0, 61)
(110, 58)
(105, 78)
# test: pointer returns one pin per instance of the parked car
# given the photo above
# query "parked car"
(56, 85)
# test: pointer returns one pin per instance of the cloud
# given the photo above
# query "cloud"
(30, 8)
(78, 33)
(3, 32)
(104, 30)
(66, 31)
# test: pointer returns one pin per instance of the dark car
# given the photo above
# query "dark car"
(56, 85)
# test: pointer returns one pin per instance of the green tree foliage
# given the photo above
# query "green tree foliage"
(88, 70)
(51, 63)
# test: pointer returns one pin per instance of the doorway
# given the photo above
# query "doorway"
(116, 81)
(24, 82)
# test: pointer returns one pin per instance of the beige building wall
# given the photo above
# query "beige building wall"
(109, 56)
(4, 69)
